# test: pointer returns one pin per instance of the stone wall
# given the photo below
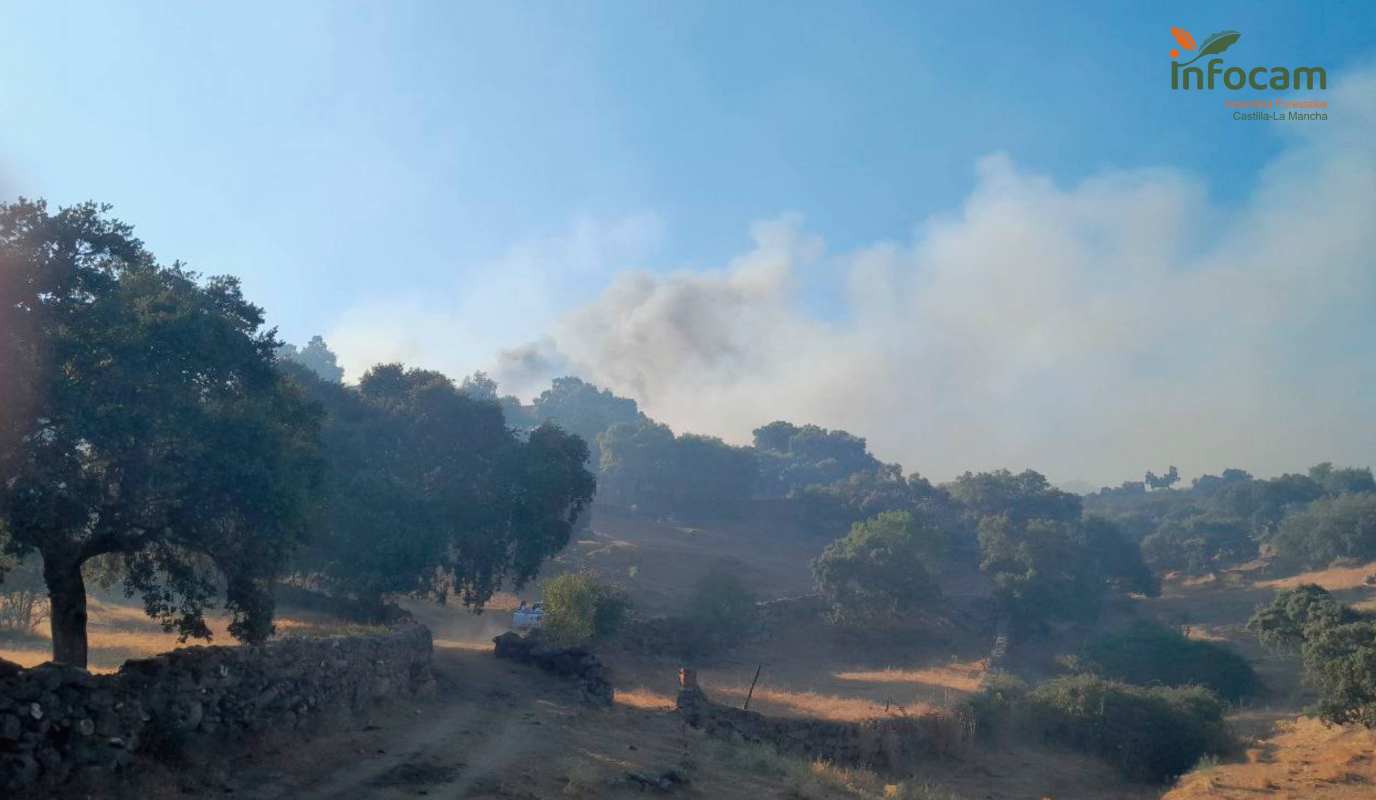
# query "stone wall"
(58, 723)
(568, 662)
(890, 744)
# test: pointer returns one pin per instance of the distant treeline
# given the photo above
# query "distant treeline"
(1219, 521)
(896, 536)
(830, 480)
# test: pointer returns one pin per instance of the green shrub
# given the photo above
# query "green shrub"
(1148, 654)
(1338, 646)
(1281, 625)
(1045, 569)
(881, 572)
(1151, 734)
(1340, 662)
(993, 707)
(1198, 543)
(580, 609)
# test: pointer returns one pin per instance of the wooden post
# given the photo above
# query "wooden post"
(751, 693)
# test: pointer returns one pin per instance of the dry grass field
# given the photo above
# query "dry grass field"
(1287, 755)
(120, 631)
(807, 672)
(499, 731)
(1303, 759)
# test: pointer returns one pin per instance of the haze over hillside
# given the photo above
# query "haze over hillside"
(881, 220)
(824, 401)
(1087, 327)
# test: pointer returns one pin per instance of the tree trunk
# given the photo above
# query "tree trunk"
(67, 592)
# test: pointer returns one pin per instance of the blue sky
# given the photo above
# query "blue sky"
(361, 160)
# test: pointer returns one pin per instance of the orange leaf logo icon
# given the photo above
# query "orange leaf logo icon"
(1183, 37)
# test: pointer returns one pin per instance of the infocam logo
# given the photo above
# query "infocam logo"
(1186, 77)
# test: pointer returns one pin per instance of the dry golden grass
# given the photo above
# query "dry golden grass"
(644, 699)
(473, 646)
(795, 703)
(801, 779)
(1366, 606)
(1303, 759)
(962, 676)
(1332, 579)
(503, 601)
(1210, 633)
(25, 657)
(117, 633)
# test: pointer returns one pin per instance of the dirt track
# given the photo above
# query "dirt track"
(477, 737)
(492, 729)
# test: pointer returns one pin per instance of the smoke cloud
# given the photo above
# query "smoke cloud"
(1089, 331)
(491, 305)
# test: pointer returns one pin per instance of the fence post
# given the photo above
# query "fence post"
(751, 693)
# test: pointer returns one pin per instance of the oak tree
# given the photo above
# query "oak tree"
(143, 416)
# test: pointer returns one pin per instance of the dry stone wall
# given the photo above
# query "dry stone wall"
(568, 662)
(58, 723)
(891, 744)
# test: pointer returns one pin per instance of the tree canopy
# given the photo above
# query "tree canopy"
(827, 509)
(317, 357)
(1045, 557)
(429, 491)
(1222, 520)
(583, 409)
(883, 571)
(1021, 497)
(793, 457)
(143, 417)
(698, 477)
(1330, 528)
(1337, 645)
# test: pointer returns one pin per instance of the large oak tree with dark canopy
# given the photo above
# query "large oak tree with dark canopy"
(142, 416)
(1046, 558)
(430, 493)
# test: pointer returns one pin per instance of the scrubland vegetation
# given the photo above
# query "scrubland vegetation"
(1151, 733)
(157, 437)
(580, 610)
(1338, 647)
(1148, 653)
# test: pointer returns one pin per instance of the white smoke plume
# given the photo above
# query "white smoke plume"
(491, 304)
(1089, 331)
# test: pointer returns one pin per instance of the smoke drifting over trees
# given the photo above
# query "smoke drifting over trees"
(1082, 327)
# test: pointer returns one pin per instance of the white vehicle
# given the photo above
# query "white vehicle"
(526, 617)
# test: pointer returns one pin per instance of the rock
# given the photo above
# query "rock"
(20, 769)
(664, 782)
(573, 662)
(101, 699)
(511, 645)
(671, 778)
